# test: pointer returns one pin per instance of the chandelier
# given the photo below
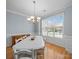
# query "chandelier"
(34, 18)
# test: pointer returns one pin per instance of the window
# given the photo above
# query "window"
(53, 26)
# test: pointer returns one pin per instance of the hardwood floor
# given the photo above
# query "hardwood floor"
(9, 53)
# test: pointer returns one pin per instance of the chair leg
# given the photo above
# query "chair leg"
(33, 54)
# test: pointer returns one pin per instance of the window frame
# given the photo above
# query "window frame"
(54, 28)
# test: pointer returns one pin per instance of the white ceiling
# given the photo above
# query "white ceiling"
(26, 7)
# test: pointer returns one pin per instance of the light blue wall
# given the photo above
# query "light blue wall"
(19, 24)
(67, 40)
(68, 21)
(68, 26)
(36, 28)
(16, 24)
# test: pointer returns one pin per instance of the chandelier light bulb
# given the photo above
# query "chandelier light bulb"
(32, 17)
(38, 18)
(28, 19)
(33, 20)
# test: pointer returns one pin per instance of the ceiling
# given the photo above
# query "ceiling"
(26, 7)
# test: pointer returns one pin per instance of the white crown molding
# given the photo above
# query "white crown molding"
(55, 12)
(15, 12)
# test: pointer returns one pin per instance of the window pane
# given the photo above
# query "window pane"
(53, 26)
